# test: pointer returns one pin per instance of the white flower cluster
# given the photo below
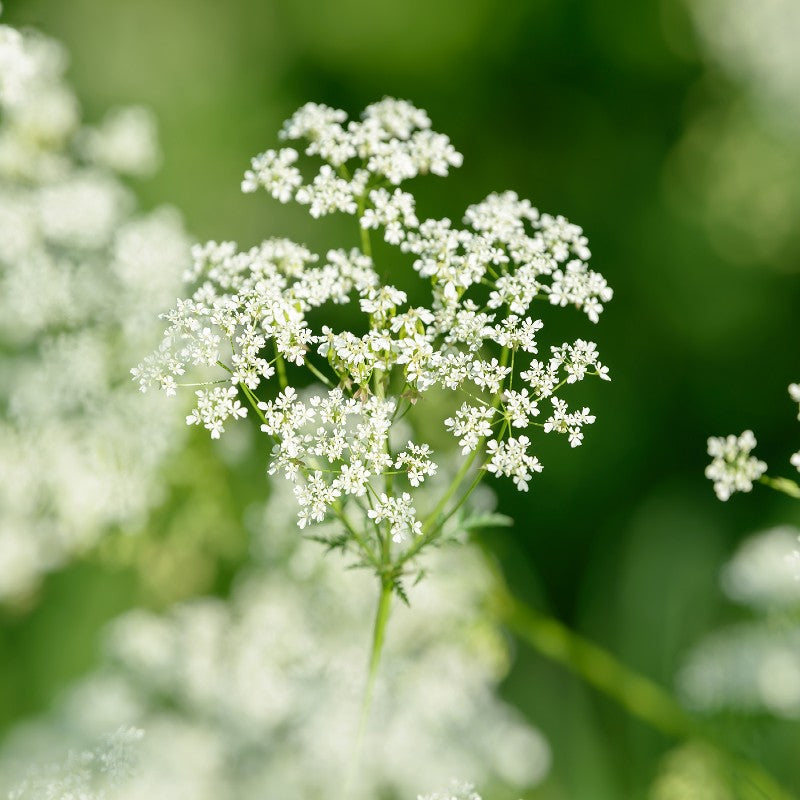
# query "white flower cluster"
(794, 393)
(457, 790)
(81, 278)
(743, 132)
(755, 47)
(262, 690)
(17, 66)
(749, 667)
(86, 774)
(733, 469)
(765, 571)
(251, 317)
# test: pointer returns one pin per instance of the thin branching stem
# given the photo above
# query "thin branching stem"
(637, 694)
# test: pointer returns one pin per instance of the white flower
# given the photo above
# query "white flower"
(353, 479)
(471, 423)
(415, 460)
(542, 378)
(489, 375)
(83, 276)
(395, 212)
(457, 790)
(253, 312)
(272, 676)
(214, 406)
(580, 286)
(570, 423)
(515, 333)
(400, 515)
(328, 193)
(314, 497)
(764, 572)
(733, 469)
(519, 407)
(126, 141)
(17, 65)
(510, 458)
(794, 393)
(274, 171)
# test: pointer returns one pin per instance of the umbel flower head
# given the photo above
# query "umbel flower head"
(734, 469)
(251, 320)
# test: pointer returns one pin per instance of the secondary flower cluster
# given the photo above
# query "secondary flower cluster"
(734, 469)
(257, 695)
(81, 280)
(252, 317)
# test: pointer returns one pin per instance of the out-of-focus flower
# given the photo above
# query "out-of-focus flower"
(81, 278)
(737, 168)
(755, 45)
(457, 790)
(753, 666)
(733, 469)
(266, 686)
(750, 667)
(765, 571)
(692, 771)
(85, 774)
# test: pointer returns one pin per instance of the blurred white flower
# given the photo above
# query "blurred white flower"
(260, 695)
(81, 280)
(126, 141)
(755, 44)
(736, 169)
(733, 469)
(753, 666)
(86, 774)
(765, 570)
(748, 667)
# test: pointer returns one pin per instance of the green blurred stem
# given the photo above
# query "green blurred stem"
(784, 485)
(318, 374)
(638, 695)
(451, 490)
(432, 518)
(280, 365)
(366, 245)
(378, 638)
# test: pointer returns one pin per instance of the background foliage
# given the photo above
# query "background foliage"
(582, 106)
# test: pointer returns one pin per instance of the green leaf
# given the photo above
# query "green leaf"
(486, 521)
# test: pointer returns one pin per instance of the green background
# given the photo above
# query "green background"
(578, 105)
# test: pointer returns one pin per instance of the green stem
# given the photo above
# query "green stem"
(319, 374)
(479, 476)
(357, 537)
(465, 467)
(451, 490)
(640, 696)
(280, 365)
(366, 245)
(784, 485)
(378, 638)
